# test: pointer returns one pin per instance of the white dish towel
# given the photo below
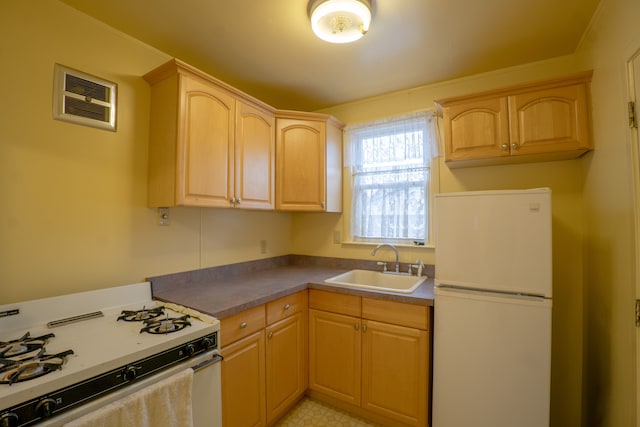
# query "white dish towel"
(166, 403)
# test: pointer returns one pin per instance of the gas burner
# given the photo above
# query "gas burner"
(166, 326)
(141, 315)
(16, 372)
(25, 347)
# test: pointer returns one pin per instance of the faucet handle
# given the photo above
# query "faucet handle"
(383, 264)
(420, 267)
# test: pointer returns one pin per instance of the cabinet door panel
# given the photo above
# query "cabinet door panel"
(243, 379)
(207, 133)
(394, 372)
(550, 120)
(255, 158)
(301, 155)
(286, 365)
(476, 130)
(334, 355)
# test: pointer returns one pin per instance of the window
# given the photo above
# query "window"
(391, 164)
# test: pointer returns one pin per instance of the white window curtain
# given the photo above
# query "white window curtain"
(390, 163)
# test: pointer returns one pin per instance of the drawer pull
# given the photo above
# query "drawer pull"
(243, 325)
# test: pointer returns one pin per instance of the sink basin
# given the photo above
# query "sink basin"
(376, 280)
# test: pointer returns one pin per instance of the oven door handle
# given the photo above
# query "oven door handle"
(215, 359)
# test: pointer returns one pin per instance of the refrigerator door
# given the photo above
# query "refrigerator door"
(497, 240)
(491, 360)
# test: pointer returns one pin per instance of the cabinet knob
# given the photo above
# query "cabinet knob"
(504, 147)
(243, 325)
(356, 326)
(270, 335)
(238, 201)
(364, 328)
(232, 200)
(514, 146)
(287, 307)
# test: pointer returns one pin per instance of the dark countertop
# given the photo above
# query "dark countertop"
(222, 293)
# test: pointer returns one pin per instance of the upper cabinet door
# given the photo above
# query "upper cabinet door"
(205, 169)
(478, 129)
(549, 120)
(254, 157)
(308, 162)
(301, 165)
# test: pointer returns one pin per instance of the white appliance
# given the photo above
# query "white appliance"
(104, 352)
(492, 309)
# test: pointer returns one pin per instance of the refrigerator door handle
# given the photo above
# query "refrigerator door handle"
(490, 292)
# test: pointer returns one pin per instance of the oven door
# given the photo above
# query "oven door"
(206, 395)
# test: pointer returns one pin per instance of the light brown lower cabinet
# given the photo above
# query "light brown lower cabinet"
(264, 371)
(371, 354)
(286, 364)
(394, 371)
(243, 379)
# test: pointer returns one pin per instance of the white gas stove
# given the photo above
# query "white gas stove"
(100, 350)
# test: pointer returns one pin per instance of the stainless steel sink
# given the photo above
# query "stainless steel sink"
(376, 280)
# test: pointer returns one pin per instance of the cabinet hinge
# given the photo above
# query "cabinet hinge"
(638, 312)
(631, 108)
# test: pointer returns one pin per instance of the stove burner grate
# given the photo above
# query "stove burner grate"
(19, 371)
(141, 315)
(25, 347)
(166, 326)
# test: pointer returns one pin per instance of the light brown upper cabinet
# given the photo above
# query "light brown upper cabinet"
(539, 121)
(308, 162)
(210, 144)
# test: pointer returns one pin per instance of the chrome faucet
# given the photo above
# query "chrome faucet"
(373, 252)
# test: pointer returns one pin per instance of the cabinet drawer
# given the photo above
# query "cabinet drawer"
(286, 306)
(398, 313)
(241, 325)
(334, 302)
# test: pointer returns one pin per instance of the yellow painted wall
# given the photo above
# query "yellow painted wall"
(610, 352)
(73, 214)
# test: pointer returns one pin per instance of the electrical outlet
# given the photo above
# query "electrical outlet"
(263, 246)
(163, 213)
(336, 236)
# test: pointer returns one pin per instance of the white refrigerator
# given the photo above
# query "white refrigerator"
(492, 309)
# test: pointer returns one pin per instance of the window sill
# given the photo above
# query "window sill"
(397, 245)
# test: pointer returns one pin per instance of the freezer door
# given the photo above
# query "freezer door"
(495, 240)
(491, 360)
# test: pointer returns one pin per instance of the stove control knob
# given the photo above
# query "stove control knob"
(130, 373)
(191, 349)
(45, 408)
(207, 343)
(9, 420)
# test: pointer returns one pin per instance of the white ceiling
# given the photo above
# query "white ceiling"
(267, 49)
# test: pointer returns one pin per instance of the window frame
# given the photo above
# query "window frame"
(433, 167)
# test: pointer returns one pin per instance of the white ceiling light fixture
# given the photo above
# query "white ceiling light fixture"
(340, 21)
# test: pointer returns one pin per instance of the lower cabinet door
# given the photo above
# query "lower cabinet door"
(394, 371)
(286, 364)
(334, 355)
(243, 382)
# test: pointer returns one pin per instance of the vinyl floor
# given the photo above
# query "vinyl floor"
(312, 413)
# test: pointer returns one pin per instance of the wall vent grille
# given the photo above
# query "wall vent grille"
(84, 99)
